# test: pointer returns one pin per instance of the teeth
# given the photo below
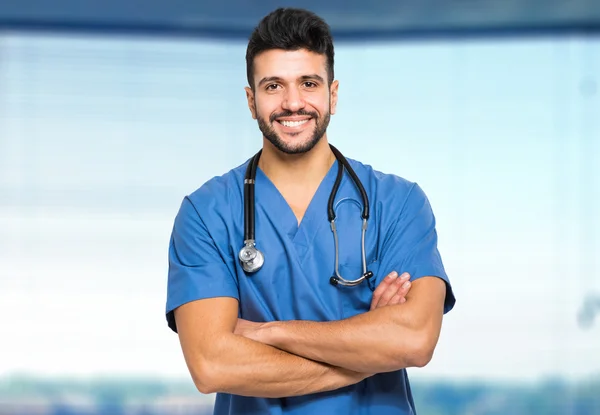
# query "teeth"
(293, 123)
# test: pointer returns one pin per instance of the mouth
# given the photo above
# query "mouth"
(293, 123)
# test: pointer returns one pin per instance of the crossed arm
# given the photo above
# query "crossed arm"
(381, 340)
(221, 361)
(225, 354)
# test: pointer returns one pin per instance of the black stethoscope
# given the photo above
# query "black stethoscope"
(252, 259)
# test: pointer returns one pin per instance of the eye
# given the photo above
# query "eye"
(310, 84)
(272, 87)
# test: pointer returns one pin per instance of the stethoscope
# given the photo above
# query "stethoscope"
(253, 259)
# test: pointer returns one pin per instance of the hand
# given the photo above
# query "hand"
(392, 290)
(248, 329)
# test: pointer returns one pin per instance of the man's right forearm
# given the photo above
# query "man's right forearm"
(241, 366)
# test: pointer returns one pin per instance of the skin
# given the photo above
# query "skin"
(222, 355)
(289, 93)
(391, 290)
(385, 339)
(293, 86)
(231, 355)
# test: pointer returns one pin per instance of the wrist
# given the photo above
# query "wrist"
(269, 333)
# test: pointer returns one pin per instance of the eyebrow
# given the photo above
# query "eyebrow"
(313, 77)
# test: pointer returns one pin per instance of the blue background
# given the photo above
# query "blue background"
(102, 133)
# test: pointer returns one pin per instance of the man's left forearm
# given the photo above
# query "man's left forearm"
(384, 339)
(381, 340)
(373, 342)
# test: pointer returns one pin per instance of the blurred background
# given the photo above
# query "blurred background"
(111, 112)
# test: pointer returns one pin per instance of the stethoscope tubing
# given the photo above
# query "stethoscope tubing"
(249, 218)
(249, 182)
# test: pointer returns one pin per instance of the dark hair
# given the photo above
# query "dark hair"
(290, 29)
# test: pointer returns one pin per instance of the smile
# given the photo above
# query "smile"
(293, 123)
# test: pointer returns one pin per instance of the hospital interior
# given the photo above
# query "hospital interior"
(111, 112)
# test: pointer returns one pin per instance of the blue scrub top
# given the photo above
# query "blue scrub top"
(293, 283)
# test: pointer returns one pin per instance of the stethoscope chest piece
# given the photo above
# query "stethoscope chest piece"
(251, 258)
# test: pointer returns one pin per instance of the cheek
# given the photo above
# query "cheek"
(264, 108)
(327, 102)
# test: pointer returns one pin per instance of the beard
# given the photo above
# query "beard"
(269, 133)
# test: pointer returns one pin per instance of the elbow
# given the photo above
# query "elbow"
(206, 378)
(421, 357)
(422, 352)
(205, 387)
(211, 372)
(418, 352)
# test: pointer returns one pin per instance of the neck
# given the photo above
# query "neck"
(298, 169)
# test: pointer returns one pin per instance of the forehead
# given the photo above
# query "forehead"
(289, 64)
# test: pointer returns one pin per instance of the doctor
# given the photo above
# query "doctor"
(276, 312)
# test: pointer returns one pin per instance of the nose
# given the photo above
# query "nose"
(293, 100)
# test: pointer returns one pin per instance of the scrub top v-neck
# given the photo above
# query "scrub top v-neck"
(270, 202)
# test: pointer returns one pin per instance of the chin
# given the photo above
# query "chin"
(296, 146)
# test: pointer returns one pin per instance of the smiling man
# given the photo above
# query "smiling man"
(302, 282)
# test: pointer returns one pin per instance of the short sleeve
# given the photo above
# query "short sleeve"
(411, 243)
(197, 270)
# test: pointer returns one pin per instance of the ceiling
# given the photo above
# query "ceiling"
(349, 19)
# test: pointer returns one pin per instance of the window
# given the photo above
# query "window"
(100, 138)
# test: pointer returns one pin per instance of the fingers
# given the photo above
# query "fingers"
(391, 290)
(397, 299)
(400, 296)
(382, 287)
(397, 288)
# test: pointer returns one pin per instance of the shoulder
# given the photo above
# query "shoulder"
(386, 186)
(223, 190)
(210, 207)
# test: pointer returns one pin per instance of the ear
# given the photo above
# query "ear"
(251, 102)
(333, 96)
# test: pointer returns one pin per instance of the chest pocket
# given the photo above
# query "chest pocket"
(357, 299)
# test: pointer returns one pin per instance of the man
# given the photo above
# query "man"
(288, 338)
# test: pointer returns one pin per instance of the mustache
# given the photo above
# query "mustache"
(273, 117)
